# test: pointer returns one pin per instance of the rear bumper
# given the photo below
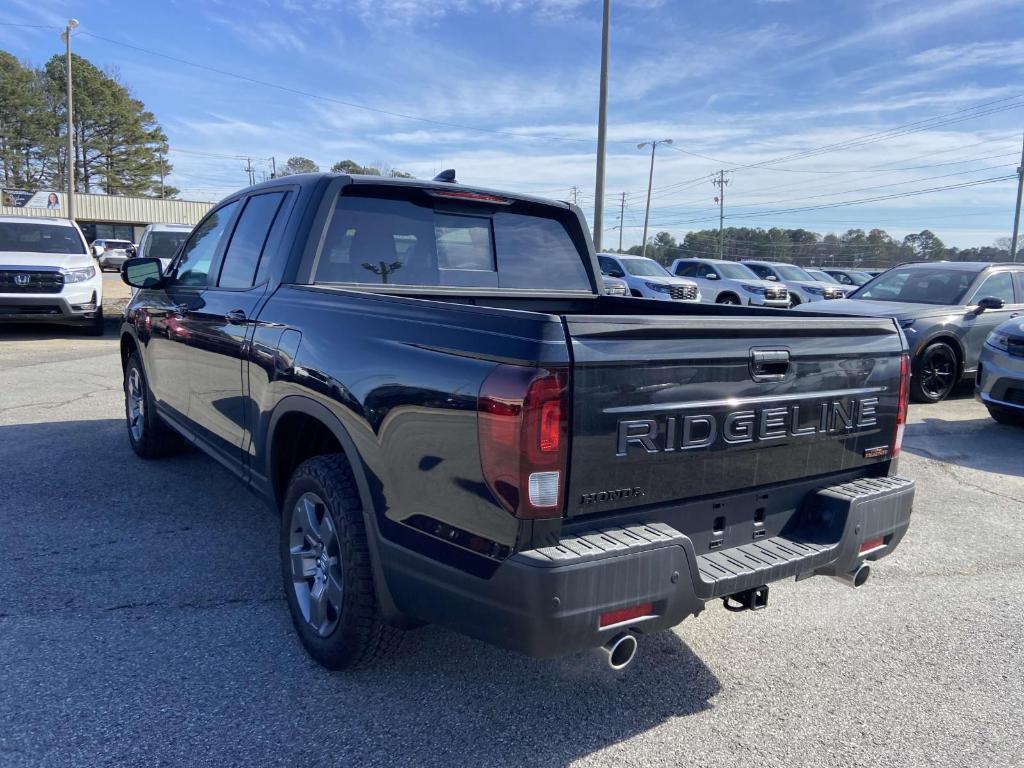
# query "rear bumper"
(548, 601)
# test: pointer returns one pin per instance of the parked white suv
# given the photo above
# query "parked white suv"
(803, 288)
(726, 282)
(647, 279)
(162, 241)
(47, 274)
(112, 253)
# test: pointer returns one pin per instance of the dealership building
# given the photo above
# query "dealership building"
(107, 216)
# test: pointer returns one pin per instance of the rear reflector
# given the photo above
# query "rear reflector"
(871, 544)
(544, 488)
(625, 614)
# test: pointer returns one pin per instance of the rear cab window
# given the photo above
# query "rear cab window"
(407, 236)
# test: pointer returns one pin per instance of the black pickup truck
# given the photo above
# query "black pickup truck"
(458, 426)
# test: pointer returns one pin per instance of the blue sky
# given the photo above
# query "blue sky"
(507, 94)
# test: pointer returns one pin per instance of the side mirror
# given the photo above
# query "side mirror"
(712, 276)
(773, 278)
(989, 302)
(615, 273)
(143, 273)
(131, 251)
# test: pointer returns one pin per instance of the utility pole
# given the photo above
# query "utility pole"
(273, 167)
(575, 192)
(622, 211)
(720, 181)
(72, 23)
(249, 170)
(161, 176)
(650, 181)
(602, 120)
(1016, 211)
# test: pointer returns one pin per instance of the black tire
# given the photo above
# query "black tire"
(96, 326)
(794, 301)
(1009, 416)
(936, 372)
(728, 298)
(148, 435)
(325, 566)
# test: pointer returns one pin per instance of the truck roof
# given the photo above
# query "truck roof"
(37, 219)
(309, 179)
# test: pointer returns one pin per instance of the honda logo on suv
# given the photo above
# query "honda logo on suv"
(22, 279)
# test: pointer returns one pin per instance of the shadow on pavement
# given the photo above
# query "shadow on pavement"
(162, 585)
(981, 444)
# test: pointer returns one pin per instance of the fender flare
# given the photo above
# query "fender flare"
(309, 407)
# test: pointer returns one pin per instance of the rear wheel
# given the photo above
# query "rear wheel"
(935, 373)
(325, 563)
(727, 298)
(1010, 416)
(150, 438)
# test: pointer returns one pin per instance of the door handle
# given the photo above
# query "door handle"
(769, 364)
(236, 317)
(180, 309)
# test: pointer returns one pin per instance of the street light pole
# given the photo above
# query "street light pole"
(602, 123)
(70, 164)
(1016, 211)
(650, 181)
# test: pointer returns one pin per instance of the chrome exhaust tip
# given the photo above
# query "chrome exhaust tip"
(620, 651)
(856, 578)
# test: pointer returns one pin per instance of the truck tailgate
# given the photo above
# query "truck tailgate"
(668, 409)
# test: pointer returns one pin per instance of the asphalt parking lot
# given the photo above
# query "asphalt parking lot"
(142, 622)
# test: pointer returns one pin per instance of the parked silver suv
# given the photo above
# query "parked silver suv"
(727, 282)
(1000, 380)
(803, 288)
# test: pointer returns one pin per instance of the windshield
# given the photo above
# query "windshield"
(789, 272)
(736, 271)
(39, 238)
(928, 285)
(825, 277)
(645, 268)
(163, 245)
(859, 278)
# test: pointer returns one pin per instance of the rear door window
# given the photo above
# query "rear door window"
(248, 239)
(416, 241)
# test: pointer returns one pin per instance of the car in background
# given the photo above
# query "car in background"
(613, 286)
(999, 384)
(803, 289)
(111, 254)
(647, 279)
(851, 277)
(825, 277)
(728, 282)
(946, 311)
(162, 241)
(47, 274)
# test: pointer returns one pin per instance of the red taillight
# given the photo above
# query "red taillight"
(625, 614)
(523, 438)
(902, 405)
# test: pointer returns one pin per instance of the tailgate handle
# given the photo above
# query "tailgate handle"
(769, 364)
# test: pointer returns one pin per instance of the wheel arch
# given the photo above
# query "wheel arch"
(128, 345)
(298, 410)
(728, 293)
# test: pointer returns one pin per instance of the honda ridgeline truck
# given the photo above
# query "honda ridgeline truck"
(458, 426)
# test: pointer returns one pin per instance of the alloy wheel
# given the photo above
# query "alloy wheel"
(938, 372)
(316, 564)
(136, 404)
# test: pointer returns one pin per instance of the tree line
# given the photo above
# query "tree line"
(855, 247)
(120, 148)
(299, 164)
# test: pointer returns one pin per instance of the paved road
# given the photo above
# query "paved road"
(142, 622)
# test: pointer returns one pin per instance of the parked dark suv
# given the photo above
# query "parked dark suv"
(946, 309)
